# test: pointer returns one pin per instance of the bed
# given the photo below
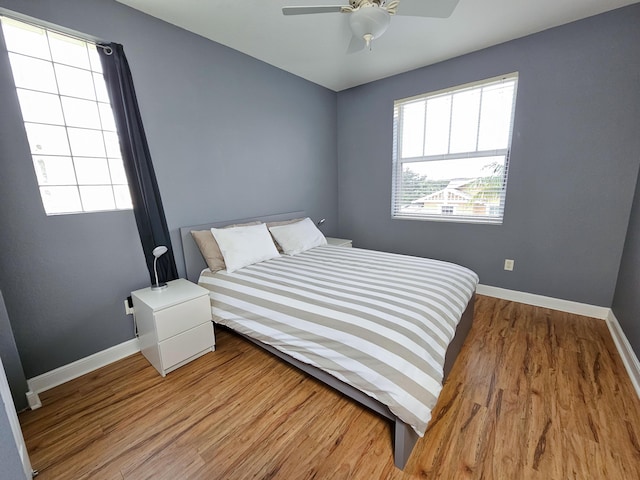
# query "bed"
(311, 309)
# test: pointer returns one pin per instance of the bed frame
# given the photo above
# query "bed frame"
(404, 437)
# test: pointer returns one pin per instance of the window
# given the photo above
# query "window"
(451, 152)
(446, 210)
(68, 120)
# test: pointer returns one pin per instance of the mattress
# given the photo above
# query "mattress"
(377, 321)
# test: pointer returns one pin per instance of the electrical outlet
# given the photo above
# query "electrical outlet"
(128, 310)
(508, 264)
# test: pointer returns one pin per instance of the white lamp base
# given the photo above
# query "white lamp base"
(160, 286)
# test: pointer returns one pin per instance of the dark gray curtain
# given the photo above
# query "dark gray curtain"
(147, 204)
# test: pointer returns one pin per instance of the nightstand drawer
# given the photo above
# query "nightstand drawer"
(184, 316)
(187, 344)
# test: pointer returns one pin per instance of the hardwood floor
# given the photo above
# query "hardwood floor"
(535, 394)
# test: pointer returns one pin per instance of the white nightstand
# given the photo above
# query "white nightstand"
(339, 242)
(174, 324)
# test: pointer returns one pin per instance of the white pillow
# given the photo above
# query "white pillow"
(298, 237)
(242, 246)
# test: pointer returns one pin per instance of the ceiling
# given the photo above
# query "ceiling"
(314, 47)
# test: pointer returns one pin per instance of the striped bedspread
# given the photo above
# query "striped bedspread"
(378, 321)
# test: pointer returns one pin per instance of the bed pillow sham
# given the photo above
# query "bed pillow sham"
(277, 224)
(298, 237)
(243, 246)
(209, 247)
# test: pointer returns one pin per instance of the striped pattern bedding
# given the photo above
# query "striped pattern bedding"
(378, 321)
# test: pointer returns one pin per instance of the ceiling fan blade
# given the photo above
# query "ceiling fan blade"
(427, 8)
(356, 45)
(305, 10)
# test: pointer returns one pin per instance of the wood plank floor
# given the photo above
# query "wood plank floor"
(535, 394)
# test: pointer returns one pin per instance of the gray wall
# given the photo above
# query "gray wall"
(230, 137)
(11, 360)
(626, 302)
(574, 161)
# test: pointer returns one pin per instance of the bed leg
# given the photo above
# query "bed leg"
(404, 440)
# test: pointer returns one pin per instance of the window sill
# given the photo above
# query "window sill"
(450, 219)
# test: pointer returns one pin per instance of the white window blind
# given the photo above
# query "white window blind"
(451, 152)
(68, 120)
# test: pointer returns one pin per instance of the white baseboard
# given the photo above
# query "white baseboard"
(83, 366)
(33, 400)
(629, 358)
(545, 302)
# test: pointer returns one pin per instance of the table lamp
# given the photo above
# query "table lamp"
(157, 253)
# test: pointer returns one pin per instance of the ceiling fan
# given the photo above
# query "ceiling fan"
(369, 19)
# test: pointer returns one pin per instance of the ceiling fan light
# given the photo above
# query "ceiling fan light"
(370, 20)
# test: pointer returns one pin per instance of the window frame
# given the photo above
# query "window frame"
(118, 184)
(398, 163)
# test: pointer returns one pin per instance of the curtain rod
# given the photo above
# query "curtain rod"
(56, 29)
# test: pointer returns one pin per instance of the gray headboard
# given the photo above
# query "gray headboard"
(193, 261)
